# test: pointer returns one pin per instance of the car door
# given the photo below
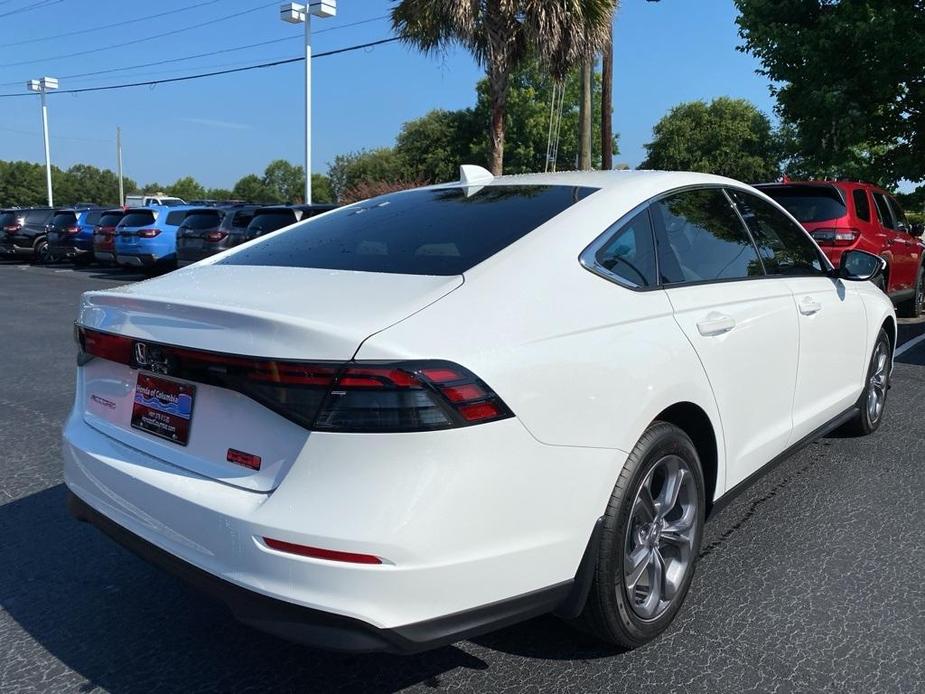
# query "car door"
(742, 326)
(903, 268)
(912, 244)
(832, 320)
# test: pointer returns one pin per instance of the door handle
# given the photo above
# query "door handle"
(716, 324)
(809, 306)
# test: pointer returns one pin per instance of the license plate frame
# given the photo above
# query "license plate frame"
(163, 407)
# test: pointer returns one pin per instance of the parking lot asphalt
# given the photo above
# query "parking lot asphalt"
(811, 581)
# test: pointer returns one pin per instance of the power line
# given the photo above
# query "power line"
(92, 29)
(151, 83)
(33, 6)
(204, 55)
(150, 37)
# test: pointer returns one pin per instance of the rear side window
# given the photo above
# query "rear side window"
(784, 247)
(630, 253)
(816, 203)
(201, 220)
(175, 219)
(443, 231)
(138, 219)
(93, 217)
(701, 239)
(110, 219)
(271, 221)
(861, 204)
(7, 219)
(64, 219)
(883, 211)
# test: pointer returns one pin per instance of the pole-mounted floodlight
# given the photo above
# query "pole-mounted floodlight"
(294, 13)
(43, 86)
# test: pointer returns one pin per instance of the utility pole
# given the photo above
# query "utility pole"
(607, 105)
(119, 161)
(295, 13)
(43, 86)
(584, 117)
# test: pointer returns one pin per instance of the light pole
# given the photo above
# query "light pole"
(43, 86)
(295, 13)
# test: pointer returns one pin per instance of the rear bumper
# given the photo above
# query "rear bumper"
(68, 250)
(324, 629)
(487, 529)
(186, 256)
(140, 259)
(104, 256)
(10, 248)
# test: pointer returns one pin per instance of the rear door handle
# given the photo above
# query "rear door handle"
(809, 306)
(716, 324)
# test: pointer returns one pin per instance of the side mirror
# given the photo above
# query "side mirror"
(917, 229)
(860, 266)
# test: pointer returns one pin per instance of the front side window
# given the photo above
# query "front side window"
(883, 211)
(630, 253)
(784, 246)
(241, 220)
(861, 204)
(701, 239)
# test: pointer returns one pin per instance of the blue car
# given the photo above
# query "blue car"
(147, 236)
(69, 234)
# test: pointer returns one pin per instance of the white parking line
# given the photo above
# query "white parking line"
(906, 346)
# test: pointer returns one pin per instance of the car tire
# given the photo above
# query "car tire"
(637, 557)
(40, 254)
(872, 402)
(912, 308)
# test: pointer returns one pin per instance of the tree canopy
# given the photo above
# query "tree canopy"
(728, 137)
(849, 77)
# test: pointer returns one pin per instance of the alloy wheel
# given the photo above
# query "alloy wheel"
(660, 537)
(879, 381)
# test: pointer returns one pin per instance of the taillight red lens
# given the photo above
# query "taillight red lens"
(354, 396)
(71, 231)
(835, 237)
(148, 233)
(216, 235)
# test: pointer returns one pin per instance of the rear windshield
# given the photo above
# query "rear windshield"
(110, 219)
(175, 219)
(242, 219)
(171, 202)
(271, 221)
(137, 219)
(809, 203)
(93, 217)
(64, 219)
(420, 232)
(7, 218)
(202, 220)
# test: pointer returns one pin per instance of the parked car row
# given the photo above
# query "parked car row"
(157, 235)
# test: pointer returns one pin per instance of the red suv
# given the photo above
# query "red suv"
(846, 215)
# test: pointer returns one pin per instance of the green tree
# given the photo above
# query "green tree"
(252, 188)
(433, 146)
(848, 78)
(366, 166)
(527, 120)
(219, 194)
(729, 137)
(187, 188)
(502, 35)
(322, 192)
(284, 182)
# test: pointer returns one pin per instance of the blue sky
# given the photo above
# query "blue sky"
(221, 128)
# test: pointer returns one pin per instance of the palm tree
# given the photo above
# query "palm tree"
(500, 34)
(607, 105)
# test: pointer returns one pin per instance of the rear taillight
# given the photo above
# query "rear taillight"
(147, 233)
(835, 237)
(104, 231)
(354, 396)
(215, 236)
(12, 228)
(72, 231)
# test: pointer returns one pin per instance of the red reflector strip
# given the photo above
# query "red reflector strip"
(248, 460)
(318, 553)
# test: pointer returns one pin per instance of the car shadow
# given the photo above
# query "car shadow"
(126, 627)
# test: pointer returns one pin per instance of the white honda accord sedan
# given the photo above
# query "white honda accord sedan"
(441, 411)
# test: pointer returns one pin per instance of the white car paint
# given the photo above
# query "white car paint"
(465, 517)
